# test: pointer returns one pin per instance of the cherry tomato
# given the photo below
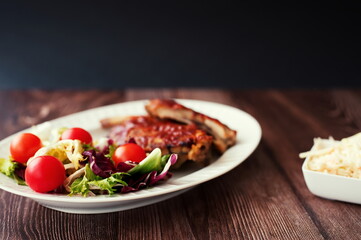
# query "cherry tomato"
(128, 152)
(44, 174)
(77, 133)
(24, 146)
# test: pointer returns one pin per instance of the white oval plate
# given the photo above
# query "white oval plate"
(248, 137)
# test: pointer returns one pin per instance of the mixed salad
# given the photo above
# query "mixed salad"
(71, 162)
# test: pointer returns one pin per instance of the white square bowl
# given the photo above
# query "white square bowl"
(331, 186)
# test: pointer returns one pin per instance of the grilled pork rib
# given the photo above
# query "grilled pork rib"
(224, 137)
(189, 142)
(173, 128)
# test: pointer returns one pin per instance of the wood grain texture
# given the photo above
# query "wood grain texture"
(263, 198)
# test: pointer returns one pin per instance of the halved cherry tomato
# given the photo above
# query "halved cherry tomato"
(128, 152)
(44, 174)
(77, 133)
(24, 146)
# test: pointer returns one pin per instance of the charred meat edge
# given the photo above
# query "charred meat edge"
(224, 137)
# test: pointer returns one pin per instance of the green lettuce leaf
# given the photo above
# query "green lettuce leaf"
(89, 174)
(82, 185)
(112, 149)
(7, 167)
(153, 162)
(109, 183)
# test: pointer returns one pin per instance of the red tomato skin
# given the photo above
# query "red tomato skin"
(128, 152)
(44, 174)
(77, 133)
(24, 146)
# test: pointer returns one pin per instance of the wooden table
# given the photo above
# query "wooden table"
(263, 198)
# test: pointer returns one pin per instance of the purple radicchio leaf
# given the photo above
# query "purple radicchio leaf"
(132, 140)
(151, 178)
(60, 190)
(104, 144)
(172, 160)
(99, 164)
(136, 184)
(125, 166)
(20, 171)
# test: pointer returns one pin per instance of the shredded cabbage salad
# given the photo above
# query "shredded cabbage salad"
(336, 157)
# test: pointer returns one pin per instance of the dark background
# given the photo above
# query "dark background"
(146, 44)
